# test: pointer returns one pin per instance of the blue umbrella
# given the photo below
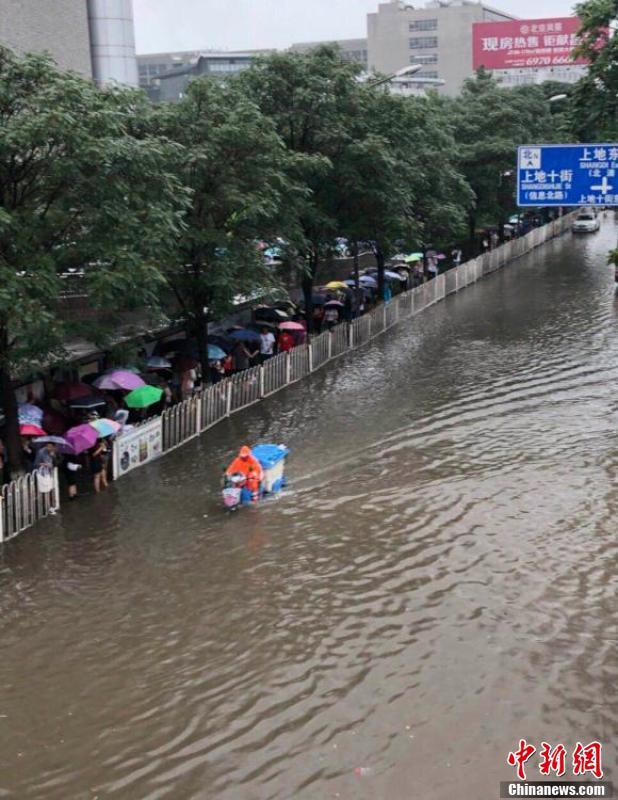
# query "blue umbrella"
(27, 412)
(367, 280)
(244, 335)
(215, 353)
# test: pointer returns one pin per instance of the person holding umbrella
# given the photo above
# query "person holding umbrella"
(45, 462)
(331, 313)
(267, 345)
(45, 457)
(98, 465)
(286, 341)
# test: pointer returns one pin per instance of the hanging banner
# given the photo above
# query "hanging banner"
(525, 43)
(138, 446)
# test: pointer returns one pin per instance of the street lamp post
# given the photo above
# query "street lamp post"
(506, 174)
(404, 72)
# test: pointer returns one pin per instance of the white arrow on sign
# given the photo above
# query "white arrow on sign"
(604, 188)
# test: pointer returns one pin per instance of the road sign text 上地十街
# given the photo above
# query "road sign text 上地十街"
(567, 175)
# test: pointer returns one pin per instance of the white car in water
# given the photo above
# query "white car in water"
(586, 221)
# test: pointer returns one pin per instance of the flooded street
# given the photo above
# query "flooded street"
(438, 581)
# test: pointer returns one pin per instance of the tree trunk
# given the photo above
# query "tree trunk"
(201, 336)
(472, 233)
(381, 282)
(356, 266)
(307, 287)
(12, 439)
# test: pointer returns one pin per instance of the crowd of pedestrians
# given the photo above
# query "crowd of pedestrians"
(172, 372)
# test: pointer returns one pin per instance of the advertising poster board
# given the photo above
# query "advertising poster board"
(138, 446)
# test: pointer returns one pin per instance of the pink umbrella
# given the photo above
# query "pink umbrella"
(291, 326)
(81, 437)
(31, 430)
(119, 379)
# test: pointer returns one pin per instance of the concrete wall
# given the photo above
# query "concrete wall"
(59, 27)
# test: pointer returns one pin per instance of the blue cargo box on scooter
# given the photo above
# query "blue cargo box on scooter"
(272, 459)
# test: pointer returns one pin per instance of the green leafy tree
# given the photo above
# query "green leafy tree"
(490, 123)
(312, 99)
(595, 100)
(232, 161)
(398, 180)
(79, 186)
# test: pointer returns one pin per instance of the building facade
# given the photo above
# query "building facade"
(354, 50)
(165, 76)
(92, 37)
(438, 36)
(57, 27)
(152, 65)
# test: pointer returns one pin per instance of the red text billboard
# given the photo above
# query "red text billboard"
(525, 43)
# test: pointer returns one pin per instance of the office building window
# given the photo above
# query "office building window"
(423, 42)
(427, 74)
(431, 58)
(424, 25)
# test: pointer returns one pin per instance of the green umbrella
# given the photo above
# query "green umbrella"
(143, 397)
(413, 257)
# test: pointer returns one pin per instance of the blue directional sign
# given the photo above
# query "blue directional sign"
(567, 175)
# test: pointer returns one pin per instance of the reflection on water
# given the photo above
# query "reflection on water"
(438, 580)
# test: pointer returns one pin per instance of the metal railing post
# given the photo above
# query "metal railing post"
(288, 368)
(330, 345)
(198, 413)
(262, 381)
(56, 505)
(228, 398)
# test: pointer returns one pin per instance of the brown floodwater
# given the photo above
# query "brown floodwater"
(438, 580)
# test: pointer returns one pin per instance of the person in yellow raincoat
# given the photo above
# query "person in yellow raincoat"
(247, 464)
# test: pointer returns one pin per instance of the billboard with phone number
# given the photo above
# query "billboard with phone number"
(525, 43)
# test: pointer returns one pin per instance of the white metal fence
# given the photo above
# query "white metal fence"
(180, 423)
(22, 501)
(245, 388)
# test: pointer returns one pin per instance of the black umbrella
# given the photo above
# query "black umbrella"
(181, 347)
(153, 379)
(318, 299)
(274, 315)
(88, 402)
(259, 324)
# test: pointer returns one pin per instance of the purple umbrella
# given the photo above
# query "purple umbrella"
(61, 443)
(81, 437)
(119, 379)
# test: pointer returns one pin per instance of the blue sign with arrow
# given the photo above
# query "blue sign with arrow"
(567, 175)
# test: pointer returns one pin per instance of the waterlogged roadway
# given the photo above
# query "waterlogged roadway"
(438, 581)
